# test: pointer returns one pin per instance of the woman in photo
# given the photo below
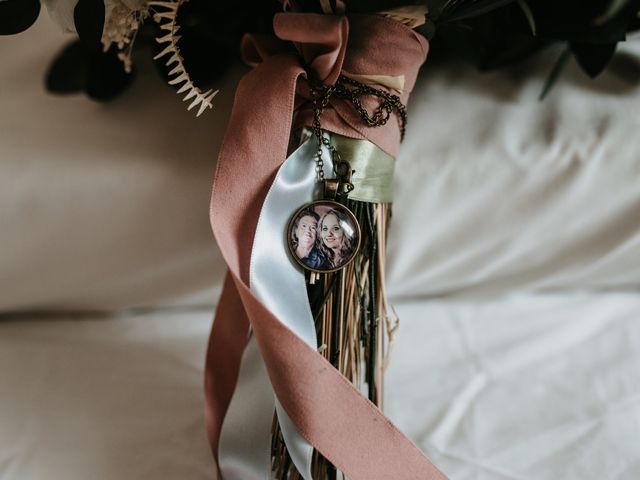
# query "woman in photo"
(336, 234)
(304, 239)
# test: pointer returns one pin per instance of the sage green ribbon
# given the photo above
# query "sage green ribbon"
(373, 169)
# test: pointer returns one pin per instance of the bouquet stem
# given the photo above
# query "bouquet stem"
(354, 329)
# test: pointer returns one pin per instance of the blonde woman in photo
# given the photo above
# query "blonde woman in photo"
(336, 234)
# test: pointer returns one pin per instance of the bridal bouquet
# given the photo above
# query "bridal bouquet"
(302, 194)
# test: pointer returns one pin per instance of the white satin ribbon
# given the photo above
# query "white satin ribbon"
(277, 280)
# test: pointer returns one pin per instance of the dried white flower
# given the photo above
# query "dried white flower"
(123, 19)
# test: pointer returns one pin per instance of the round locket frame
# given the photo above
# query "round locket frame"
(330, 205)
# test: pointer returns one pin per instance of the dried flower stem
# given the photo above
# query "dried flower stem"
(354, 328)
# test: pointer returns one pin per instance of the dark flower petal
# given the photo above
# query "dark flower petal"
(17, 15)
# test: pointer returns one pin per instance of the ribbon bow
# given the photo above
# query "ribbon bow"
(320, 40)
(325, 407)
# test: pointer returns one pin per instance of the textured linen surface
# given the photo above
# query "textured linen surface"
(528, 387)
(104, 206)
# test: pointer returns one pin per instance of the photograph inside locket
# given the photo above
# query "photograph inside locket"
(324, 236)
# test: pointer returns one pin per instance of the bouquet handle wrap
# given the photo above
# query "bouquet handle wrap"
(327, 410)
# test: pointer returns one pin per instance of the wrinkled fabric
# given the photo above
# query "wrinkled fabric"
(527, 386)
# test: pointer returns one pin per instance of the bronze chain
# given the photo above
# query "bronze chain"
(352, 91)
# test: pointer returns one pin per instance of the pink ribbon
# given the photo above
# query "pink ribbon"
(327, 410)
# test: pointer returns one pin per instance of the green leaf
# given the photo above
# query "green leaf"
(593, 57)
(557, 69)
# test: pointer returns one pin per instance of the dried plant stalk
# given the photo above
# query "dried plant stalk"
(354, 328)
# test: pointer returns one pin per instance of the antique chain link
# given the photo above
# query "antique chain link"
(352, 91)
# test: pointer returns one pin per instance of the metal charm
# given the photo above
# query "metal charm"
(323, 236)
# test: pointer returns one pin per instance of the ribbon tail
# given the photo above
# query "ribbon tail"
(274, 276)
(227, 341)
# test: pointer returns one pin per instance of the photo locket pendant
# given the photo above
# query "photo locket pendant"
(323, 236)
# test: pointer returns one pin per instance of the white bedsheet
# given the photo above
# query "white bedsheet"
(526, 387)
